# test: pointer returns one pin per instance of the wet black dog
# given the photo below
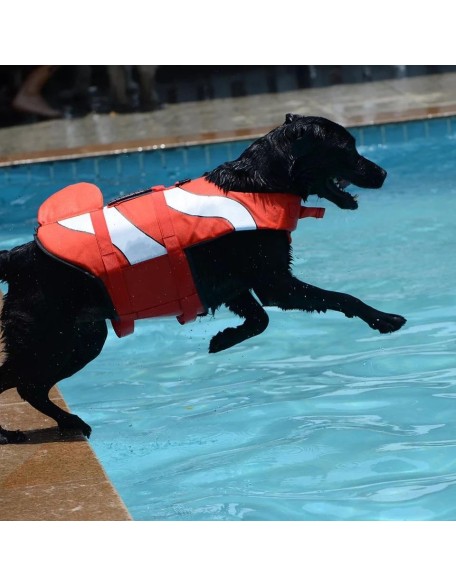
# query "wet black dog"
(53, 320)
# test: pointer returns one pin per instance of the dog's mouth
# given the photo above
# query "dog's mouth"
(334, 190)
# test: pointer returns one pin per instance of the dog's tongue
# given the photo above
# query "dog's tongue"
(343, 183)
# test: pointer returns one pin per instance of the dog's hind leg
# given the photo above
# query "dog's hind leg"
(7, 436)
(8, 381)
(37, 394)
(62, 357)
(256, 320)
(11, 437)
(288, 292)
(87, 343)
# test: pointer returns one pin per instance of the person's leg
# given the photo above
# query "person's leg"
(148, 94)
(29, 98)
(118, 87)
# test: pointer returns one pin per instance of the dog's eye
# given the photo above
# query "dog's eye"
(349, 148)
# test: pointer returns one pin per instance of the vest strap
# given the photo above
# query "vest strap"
(309, 212)
(120, 296)
(189, 299)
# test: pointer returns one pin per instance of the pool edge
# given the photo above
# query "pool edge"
(212, 137)
(50, 478)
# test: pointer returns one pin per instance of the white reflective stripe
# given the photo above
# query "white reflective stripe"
(210, 206)
(81, 223)
(130, 240)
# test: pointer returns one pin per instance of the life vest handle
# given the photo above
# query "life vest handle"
(311, 212)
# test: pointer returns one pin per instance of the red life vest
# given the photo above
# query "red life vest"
(136, 244)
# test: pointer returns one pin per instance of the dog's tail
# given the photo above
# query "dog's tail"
(4, 265)
(2, 344)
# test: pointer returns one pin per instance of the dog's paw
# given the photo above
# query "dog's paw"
(223, 340)
(12, 437)
(386, 323)
(73, 423)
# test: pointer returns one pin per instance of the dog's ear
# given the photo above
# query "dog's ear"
(289, 118)
(302, 146)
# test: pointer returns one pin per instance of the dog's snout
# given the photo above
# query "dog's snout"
(368, 174)
(381, 176)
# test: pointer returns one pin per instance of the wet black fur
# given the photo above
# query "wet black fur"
(54, 316)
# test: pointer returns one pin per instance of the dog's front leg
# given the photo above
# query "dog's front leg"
(287, 292)
(255, 322)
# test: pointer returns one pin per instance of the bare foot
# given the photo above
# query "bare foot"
(34, 104)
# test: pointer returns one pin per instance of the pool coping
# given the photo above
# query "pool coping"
(208, 137)
(52, 477)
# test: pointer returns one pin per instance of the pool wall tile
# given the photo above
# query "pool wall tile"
(172, 158)
(404, 131)
(197, 158)
(17, 174)
(132, 165)
(43, 172)
(149, 162)
(415, 130)
(107, 167)
(359, 135)
(218, 153)
(63, 170)
(372, 135)
(394, 133)
(438, 127)
(85, 169)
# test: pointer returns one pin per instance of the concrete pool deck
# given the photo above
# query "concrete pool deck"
(52, 478)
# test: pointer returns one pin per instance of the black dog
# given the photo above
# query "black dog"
(53, 320)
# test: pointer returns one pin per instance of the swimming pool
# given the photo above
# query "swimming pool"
(320, 418)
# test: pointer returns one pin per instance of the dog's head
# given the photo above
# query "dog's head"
(306, 155)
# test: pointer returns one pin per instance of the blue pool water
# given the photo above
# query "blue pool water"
(320, 418)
